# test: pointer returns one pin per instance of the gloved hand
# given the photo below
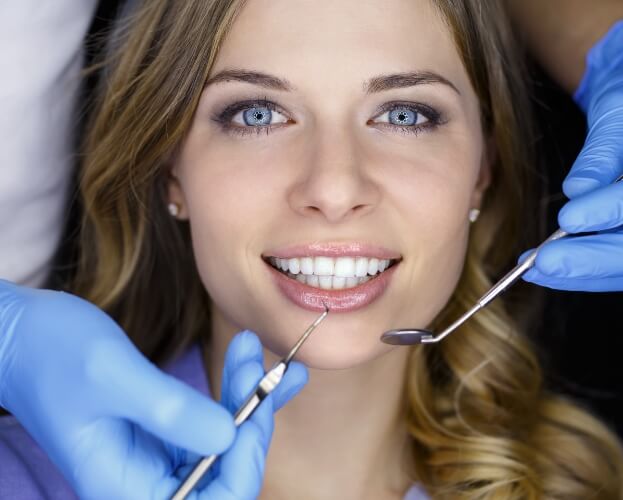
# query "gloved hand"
(239, 472)
(114, 424)
(595, 262)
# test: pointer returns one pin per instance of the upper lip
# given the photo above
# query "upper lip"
(333, 249)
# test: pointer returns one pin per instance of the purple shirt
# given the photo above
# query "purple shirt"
(27, 473)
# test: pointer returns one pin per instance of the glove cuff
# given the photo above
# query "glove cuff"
(602, 58)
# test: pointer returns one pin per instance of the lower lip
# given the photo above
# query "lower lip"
(345, 300)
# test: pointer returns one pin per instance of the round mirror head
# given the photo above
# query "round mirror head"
(407, 337)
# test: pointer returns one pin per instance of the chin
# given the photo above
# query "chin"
(332, 348)
(333, 360)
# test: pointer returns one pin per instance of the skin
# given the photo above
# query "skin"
(333, 171)
(561, 32)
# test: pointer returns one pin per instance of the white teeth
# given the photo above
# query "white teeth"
(338, 282)
(382, 265)
(331, 273)
(323, 266)
(307, 265)
(312, 280)
(325, 282)
(351, 282)
(329, 282)
(373, 266)
(344, 267)
(361, 267)
(294, 265)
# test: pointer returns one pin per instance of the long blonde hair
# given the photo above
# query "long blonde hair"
(483, 425)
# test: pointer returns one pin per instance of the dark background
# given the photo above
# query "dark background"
(580, 335)
(580, 332)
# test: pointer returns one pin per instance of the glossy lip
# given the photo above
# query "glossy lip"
(330, 249)
(345, 300)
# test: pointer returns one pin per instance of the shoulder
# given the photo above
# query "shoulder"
(25, 470)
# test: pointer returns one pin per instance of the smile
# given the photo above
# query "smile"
(344, 276)
(331, 273)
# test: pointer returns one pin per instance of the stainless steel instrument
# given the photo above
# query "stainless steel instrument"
(265, 386)
(421, 336)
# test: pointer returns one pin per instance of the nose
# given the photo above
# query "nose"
(334, 181)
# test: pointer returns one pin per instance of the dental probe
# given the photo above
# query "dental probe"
(264, 387)
(422, 336)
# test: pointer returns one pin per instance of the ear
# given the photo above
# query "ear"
(489, 156)
(175, 194)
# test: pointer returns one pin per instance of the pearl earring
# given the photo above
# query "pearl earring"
(174, 209)
(473, 215)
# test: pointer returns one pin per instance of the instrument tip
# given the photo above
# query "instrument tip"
(310, 329)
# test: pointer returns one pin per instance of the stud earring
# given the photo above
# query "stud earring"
(174, 209)
(473, 215)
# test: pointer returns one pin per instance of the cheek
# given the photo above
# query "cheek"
(230, 200)
(432, 195)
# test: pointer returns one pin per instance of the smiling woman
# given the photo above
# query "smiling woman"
(340, 165)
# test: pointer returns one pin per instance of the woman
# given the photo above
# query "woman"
(217, 153)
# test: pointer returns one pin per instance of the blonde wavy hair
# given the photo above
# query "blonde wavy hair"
(483, 425)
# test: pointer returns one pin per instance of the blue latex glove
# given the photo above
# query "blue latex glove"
(241, 469)
(592, 263)
(114, 424)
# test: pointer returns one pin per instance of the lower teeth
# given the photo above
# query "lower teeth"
(328, 282)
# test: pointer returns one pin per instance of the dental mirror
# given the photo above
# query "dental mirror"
(421, 336)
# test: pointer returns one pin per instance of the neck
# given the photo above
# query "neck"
(342, 437)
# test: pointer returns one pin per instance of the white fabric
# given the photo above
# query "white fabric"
(40, 62)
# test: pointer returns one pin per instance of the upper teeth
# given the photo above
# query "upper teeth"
(343, 267)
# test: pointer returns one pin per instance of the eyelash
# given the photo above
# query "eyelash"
(223, 118)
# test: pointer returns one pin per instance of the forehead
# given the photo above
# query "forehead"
(310, 41)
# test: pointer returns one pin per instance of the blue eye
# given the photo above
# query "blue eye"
(253, 116)
(257, 116)
(403, 116)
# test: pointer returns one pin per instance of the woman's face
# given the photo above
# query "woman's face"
(334, 138)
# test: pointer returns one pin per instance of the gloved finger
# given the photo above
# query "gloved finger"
(239, 472)
(246, 357)
(133, 388)
(293, 381)
(244, 348)
(601, 160)
(120, 461)
(584, 257)
(241, 469)
(249, 374)
(524, 256)
(10, 310)
(574, 285)
(8, 289)
(241, 384)
(595, 211)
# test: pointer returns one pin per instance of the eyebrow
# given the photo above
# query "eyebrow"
(373, 85)
(254, 77)
(402, 80)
